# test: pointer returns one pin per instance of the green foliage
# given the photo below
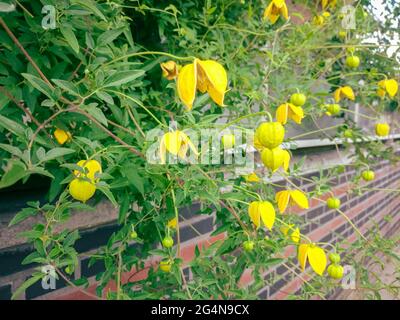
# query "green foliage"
(97, 76)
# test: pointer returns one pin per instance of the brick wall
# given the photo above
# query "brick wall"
(320, 224)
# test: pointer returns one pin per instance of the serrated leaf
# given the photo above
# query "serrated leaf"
(108, 36)
(91, 5)
(12, 126)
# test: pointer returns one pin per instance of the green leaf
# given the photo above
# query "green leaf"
(97, 113)
(122, 77)
(70, 37)
(22, 215)
(108, 194)
(11, 149)
(91, 5)
(16, 172)
(56, 153)
(12, 126)
(38, 84)
(104, 96)
(67, 86)
(108, 36)
(130, 172)
(27, 284)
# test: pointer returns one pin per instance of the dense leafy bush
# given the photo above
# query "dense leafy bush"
(87, 104)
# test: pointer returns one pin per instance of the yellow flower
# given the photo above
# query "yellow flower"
(318, 20)
(176, 143)
(326, 14)
(295, 196)
(270, 134)
(275, 9)
(206, 76)
(315, 255)
(252, 177)
(257, 144)
(342, 92)
(294, 232)
(390, 86)
(172, 223)
(289, 110)
(262, 210)
(62, 136)
(91, 169)
(328, 3)
(81, 190)
(169, 70)
(382, 129)
(275, 158)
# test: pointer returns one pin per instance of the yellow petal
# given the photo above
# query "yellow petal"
(282, 199)
(382, 84)
(337, 94)
(172, 223)
(380, 92)
(267, 213)
(186, 84)
(317, 259)
(284, 11)
(324, 4)
(392, 87)
(217, 79)
(268, 10)
(169, 70)
(348, 92)
(282, 113)
(302, 255)
(296, 113)
(162, 150)
(173, 142)
(286, 160)
(296, 235)
(299, 198)
(62, 136)
(252, 177)
(254, 213)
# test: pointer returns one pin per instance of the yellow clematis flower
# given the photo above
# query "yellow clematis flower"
(176, 143)
(289, 110)
(318, 20)
(275, 158)
(294, 196)
(294, 232)
(389, 86)
(328, 3)
(315, 255)
(172, 223)
(206, 76)
(91, 170)
(275, 9)
(262, 211)
(342, 92)
(62, 136)
(382, 129)
(169, 70)
(252, 177)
